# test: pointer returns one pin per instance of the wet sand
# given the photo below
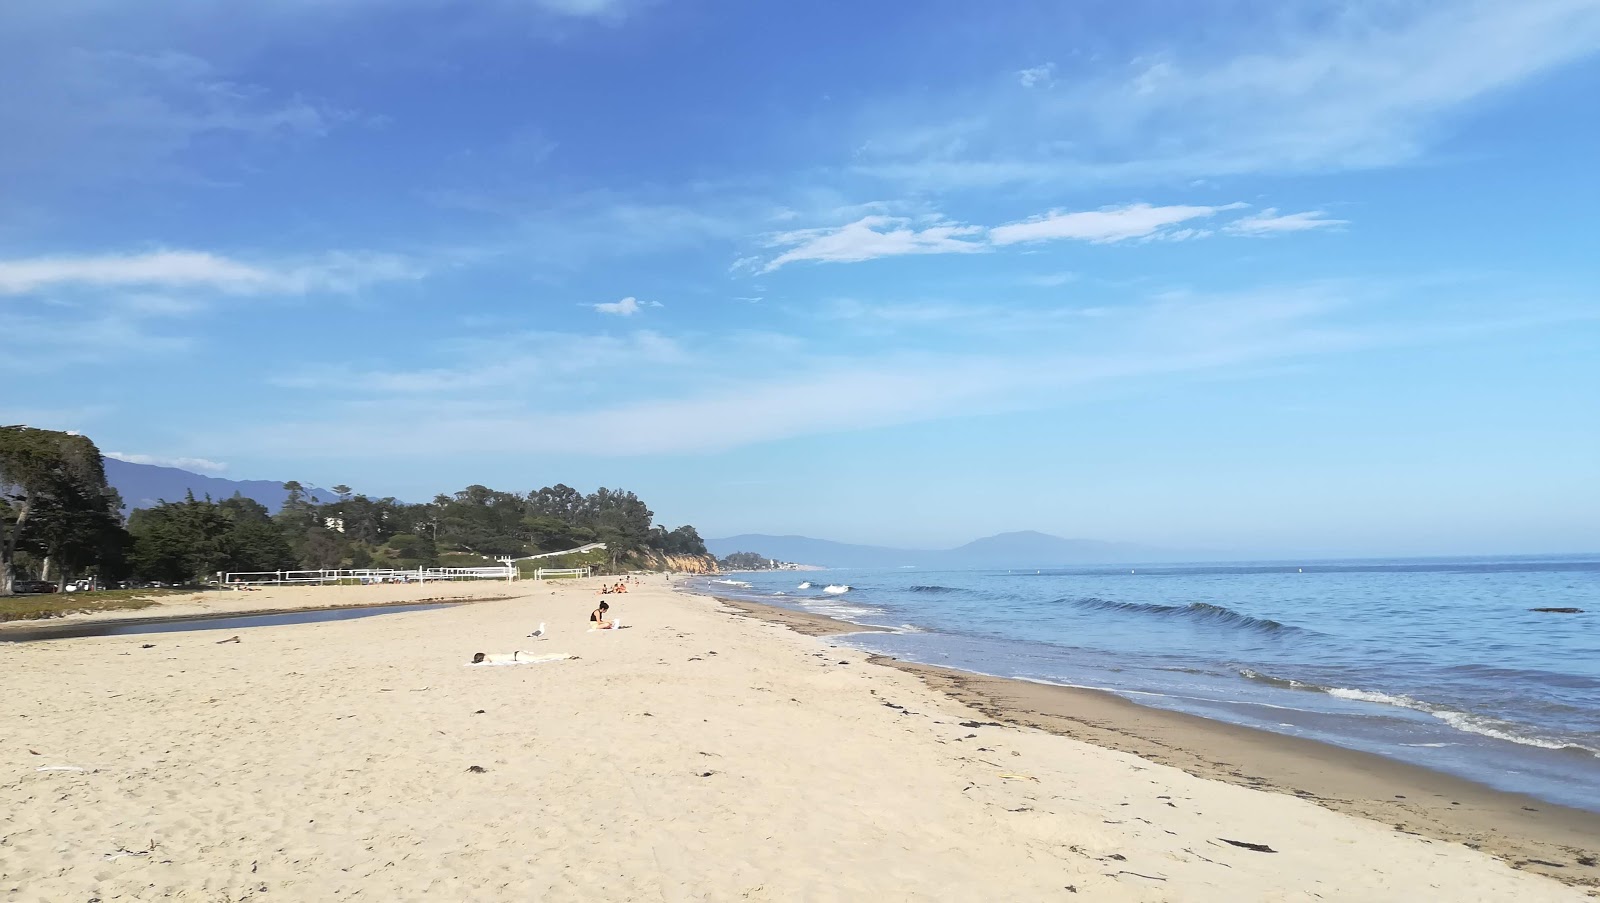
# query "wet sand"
(1528, 833)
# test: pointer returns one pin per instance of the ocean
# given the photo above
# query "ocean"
(1436, 662)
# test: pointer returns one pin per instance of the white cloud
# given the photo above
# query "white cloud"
(888, 236)
(1108, 224)
(506, 363)
(1270, 222)
(1050, 280)
(78, 116)
(871, 237)
(600, 9)
(192, 464)
(724, 392)
(341, 272)
(627, 307)
(1375, 84)
(1038, 75)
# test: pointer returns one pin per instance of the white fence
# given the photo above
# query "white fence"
(349, 576)
(560, 573)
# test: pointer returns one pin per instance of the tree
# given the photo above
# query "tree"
(342, 491)
(53, 493)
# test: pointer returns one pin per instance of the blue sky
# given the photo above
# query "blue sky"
(1282, 278)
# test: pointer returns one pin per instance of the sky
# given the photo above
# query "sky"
(1280, 278)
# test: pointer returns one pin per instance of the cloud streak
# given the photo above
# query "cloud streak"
(627, 307)
(871, 237)
(338, 272)
(202, 465)
(1270, 222)
(1376, 85)
(878, 236)
(1108, 224)
(709, 400)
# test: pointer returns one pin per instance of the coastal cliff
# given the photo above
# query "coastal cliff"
(682, 564)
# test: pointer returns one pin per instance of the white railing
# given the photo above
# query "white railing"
(560, 573)
(365, 576)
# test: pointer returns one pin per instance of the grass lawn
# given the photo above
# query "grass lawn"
(54, 605)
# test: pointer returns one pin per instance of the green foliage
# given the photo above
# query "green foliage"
(746, 561)
(191, 540)
(55, 504)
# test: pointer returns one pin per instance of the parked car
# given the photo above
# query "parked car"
(30, 587)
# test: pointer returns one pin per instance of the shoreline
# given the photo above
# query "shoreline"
(712, 754)
(1528, 833)
(272, 600)
(68, 627)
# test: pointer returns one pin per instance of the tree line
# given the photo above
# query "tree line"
(59, 520)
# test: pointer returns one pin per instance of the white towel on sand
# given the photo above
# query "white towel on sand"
(518, 658)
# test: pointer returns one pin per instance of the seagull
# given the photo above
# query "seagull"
(538, 634)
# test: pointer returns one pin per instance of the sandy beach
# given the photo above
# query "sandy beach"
(700, 754)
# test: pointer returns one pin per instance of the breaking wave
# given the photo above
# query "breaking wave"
(1199, 612)
(836, 589)
(1467, 722)
(805, 585)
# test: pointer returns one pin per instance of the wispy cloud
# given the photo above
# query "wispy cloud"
(508, 362)
(1049, 280)
(1270, 222)
(341, 272)
(887, 236)
(714, 397)
(1040, 76)
(192, 464)
(1108, 224)
(627, 307)
(871, 237)
(108, 115)
(1375, 84)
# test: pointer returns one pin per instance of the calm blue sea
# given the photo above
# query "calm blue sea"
(1437, 662)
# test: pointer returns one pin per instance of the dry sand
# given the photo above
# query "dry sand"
(694, 756)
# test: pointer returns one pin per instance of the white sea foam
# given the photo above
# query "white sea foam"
(1488, 727)
(1461, 721)
(805, 585)
(836, 589)
(731, 582)
(1398, 700)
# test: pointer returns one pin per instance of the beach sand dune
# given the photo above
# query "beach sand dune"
(694, 756)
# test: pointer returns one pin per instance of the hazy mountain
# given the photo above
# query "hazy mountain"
(805, 550)
(145, 485)
(1005, 550)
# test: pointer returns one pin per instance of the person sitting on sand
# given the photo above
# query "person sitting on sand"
(598, 616)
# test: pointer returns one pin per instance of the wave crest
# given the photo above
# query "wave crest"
(836, 589)
(935, 588)
(1202, 612)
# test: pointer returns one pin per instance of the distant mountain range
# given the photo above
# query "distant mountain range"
(146, 485)
(1025, 549)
